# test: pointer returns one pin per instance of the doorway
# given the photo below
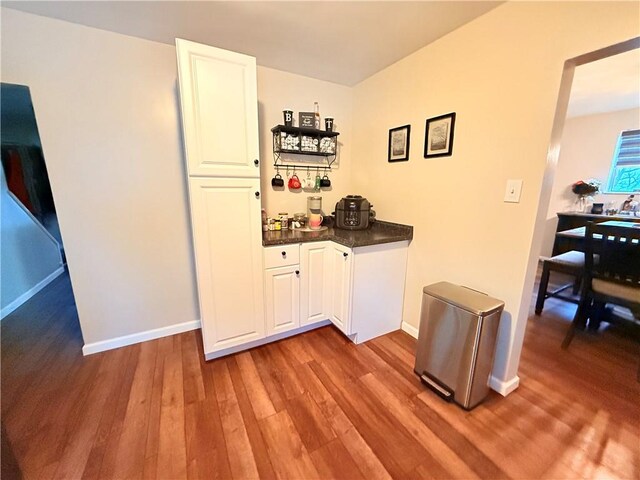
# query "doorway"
(32, 247)
(599, 99)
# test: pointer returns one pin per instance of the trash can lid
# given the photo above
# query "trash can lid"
(470, 300)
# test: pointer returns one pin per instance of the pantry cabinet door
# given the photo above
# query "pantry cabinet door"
(282, 289)
(340, 291)
(227, 236)
(315, 260)
(218, 95)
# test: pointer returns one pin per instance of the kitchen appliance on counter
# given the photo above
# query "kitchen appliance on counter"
(353, 212)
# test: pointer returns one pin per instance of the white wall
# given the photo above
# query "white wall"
(29, 257)
(501, 74)
(587, 148)
(107, 111)
(278, 90)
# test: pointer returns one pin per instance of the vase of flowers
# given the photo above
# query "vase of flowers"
(585, 192)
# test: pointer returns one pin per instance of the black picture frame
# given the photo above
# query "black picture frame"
(399, 142)
(438, 136)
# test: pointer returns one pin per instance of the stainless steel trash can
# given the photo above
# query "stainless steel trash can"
(456, 343)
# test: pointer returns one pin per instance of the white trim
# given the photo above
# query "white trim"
(91, 348)
(500, 386)
(37, 222)
(31, 292)
(410, 329)
(263, 341)
(504, 388)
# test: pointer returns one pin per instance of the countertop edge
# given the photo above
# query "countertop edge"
(405, 234)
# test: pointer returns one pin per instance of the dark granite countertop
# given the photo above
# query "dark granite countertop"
(379, 232)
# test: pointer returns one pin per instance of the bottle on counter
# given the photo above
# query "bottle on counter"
(316, 114)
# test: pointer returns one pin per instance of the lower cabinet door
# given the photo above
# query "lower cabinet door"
(282, 289)
(314, 281)
(340, 265)
(227, 237)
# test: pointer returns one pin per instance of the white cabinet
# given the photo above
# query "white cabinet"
(282, 305)
(340, 264)
(314, 281)
(219, 111)
(360, 290)
(377, 294)
(227, 236)
(218, 96)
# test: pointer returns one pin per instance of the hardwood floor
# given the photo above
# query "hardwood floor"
(312, 406)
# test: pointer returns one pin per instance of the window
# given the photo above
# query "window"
(624, 176)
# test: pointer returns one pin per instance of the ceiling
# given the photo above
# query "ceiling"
(606, 85)
(341, 42)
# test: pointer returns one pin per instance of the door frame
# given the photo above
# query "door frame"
(553, 154)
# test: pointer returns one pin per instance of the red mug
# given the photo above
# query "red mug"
(294, 182)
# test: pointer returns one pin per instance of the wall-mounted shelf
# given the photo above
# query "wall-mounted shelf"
(304, 141)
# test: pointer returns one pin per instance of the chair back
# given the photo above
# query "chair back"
(612, 253)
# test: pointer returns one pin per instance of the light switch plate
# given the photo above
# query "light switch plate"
(514, 189)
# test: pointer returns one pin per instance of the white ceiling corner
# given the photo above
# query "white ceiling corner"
(341, 42)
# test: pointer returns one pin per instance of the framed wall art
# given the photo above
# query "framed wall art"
(399, 143)
(438, 137)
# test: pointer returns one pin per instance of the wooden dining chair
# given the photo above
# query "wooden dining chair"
(569, 263)
(614, 278)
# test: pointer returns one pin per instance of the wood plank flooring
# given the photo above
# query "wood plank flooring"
(312, 406)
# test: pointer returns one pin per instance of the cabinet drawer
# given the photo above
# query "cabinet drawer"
(281, 255)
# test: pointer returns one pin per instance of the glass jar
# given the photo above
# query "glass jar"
(300, 220)
(284, 220)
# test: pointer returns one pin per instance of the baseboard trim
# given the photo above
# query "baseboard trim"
(96, 347)
(18, 302)
(410, 329)
(502, 387)
(264, 341)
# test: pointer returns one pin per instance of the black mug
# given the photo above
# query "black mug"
(325, 182)
(288, 118)
(597, 208)
(277, 181)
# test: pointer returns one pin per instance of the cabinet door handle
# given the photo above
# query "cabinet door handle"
(256, 162)
(257, 194)
(345, 254)
(284, 254)
(297, 272)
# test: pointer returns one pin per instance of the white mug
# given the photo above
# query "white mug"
(309, 182)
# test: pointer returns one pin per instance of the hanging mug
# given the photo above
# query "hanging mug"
(277, 181)
(325, 182)
(294, 182)
(318, 182)
(309, 182)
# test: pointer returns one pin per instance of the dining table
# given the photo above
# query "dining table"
(575, 236)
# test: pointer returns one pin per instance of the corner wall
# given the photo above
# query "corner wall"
(278, 90)
(500, 73)
(107, 113)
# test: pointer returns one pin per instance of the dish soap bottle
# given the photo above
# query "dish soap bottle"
(316, 115)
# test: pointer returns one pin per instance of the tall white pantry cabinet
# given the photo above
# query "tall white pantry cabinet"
(218, 96)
